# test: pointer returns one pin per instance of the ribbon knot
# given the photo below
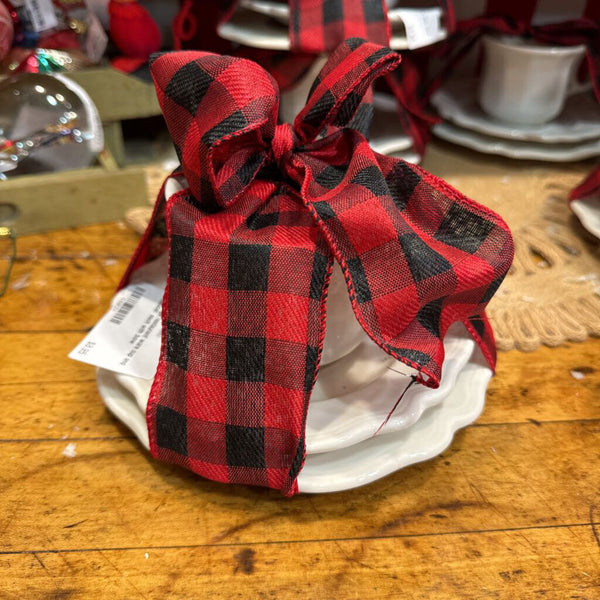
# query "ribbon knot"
(283, 145)
(250, 259)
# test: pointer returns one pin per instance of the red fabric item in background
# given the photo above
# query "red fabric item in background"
(252, 241)
(321, 26)
(590, 186)
(132, 29)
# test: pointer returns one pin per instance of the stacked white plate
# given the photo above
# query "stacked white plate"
(264, 24)
(347, 442)
(573, 135)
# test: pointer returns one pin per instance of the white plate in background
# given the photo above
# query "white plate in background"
(457, 102)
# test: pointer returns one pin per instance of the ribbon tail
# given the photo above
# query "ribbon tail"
(417, 255)
(243, 327)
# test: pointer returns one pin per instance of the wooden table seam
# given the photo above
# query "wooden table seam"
(591, 525)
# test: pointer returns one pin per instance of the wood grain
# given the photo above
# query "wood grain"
(550, 564)
(492, 478)
(511, 510)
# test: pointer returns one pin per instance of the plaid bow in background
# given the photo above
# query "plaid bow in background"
(252, 240)
(315, 27)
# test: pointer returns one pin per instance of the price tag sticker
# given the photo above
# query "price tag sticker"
(127, 338)
(42, 15)
(423, 26)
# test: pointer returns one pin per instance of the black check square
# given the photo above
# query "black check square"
(423, 260)
(245, 359)
(372, 178)
(189, 86)
(171, 430)
(401, 182)
(332, 11)
(182, 249)
(245, 446)
(249, 267)
(360, 281)
(178, 342)
(463, 229)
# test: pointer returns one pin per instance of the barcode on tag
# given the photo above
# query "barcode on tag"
(127, 305)
(41, 13)
(422, 25)
(127, 338)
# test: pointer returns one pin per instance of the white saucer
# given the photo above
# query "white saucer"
(457, 101)
(258, 29)
(339, 422)
(514, 148)
(375, 458)
(588, 212)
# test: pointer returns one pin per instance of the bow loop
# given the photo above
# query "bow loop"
(221, 112)
(245, 303)
(337, 93)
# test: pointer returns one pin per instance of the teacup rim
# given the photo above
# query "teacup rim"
(533, 47)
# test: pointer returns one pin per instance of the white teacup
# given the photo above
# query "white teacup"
(526, 82)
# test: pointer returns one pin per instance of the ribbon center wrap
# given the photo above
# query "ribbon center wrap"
(252, 241)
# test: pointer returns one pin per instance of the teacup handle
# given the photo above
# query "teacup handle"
(576, 87)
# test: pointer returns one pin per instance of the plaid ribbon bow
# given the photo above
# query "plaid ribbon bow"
(252, 242)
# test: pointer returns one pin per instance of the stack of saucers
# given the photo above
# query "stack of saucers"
(527, 103)
(264, 24)
(573, 135)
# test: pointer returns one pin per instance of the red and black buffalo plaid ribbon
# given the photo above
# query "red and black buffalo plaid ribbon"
(252, 242)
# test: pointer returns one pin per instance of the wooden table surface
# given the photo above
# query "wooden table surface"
(510, 510)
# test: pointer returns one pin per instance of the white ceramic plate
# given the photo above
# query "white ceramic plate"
(334, 421)
(375, 458)
(339, 422)
(514, 148)
(580, 119)
(588, 212)
(281, 11)
(258, 29)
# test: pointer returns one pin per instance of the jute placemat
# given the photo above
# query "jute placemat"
(552, 293)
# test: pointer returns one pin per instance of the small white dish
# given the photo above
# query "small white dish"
(377, 457)
(587, 211)
(456, 101)
(345, 420)
(517, 149)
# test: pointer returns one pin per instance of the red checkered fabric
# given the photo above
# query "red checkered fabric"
(252, 242)
(321, 26)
